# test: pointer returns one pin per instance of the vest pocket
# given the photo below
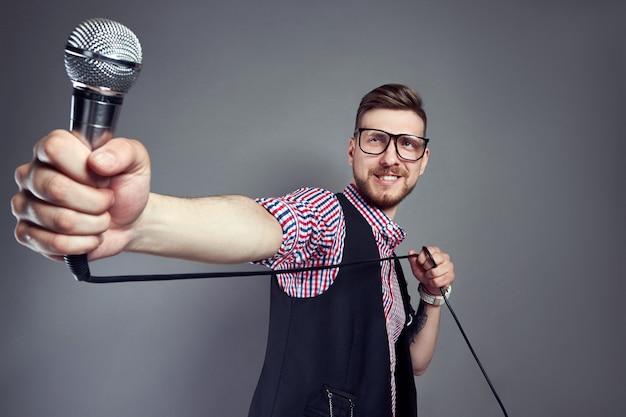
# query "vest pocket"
(331, 402)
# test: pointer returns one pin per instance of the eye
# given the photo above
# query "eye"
(409, 143)
(373, 137)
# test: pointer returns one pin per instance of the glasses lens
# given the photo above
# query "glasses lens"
(375, 142)
(410, 147)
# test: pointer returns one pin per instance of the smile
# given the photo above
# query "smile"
(387, 177)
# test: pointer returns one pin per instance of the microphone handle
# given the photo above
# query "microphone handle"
(93, 119)
(94, 116)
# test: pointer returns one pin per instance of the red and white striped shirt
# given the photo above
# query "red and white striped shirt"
(313, 235)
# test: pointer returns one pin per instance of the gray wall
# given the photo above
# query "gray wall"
(525, 188)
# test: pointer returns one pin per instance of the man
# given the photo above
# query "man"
(342, 341)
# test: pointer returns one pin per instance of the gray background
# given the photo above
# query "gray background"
(525, 188)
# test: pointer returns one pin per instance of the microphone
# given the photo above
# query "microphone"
(102, 60)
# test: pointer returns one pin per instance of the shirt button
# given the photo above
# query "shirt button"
(390, 227)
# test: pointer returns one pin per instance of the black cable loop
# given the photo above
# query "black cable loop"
(79, 266)
(81, 272)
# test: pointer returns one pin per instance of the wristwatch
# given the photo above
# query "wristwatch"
(435, 300)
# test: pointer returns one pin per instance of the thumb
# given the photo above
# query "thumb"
(416, 267)
(119, 156)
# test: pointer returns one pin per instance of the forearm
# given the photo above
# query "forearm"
(221, 229)
(424, 336)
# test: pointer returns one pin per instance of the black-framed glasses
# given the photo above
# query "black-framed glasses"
(376, 141)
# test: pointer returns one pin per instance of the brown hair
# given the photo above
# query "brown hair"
(394, 97)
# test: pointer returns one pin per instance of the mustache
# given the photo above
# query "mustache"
(398, 172)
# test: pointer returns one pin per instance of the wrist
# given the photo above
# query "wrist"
(432, 299)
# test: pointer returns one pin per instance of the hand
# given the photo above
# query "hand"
(74, 201)
(431, 277)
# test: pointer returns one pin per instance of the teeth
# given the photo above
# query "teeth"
(388, 177)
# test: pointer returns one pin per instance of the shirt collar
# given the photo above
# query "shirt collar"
(379, 221)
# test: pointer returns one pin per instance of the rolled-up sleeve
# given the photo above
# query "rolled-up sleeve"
(313, 235)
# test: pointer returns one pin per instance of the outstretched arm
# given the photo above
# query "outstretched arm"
(220, 229)
(72, 201)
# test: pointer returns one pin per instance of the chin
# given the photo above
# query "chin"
(383, 200)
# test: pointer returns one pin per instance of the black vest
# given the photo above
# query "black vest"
(331, 351)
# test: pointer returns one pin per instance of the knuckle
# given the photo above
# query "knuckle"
(74, 245)
(64, 221)
(20, 174)
(135, 149)
(139, 146)
(66, 245)
(57, 188)
(59, 244)
(21, 233)
(17, 205)
(50, 146)
(99, 203)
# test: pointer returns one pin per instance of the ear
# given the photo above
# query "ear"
(424, 161)
(351, 150)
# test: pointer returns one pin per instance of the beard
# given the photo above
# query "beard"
(382, 199)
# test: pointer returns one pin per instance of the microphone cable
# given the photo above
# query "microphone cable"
(79, 267)
(469, 345)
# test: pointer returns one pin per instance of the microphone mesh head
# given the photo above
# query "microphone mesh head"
(103, 54)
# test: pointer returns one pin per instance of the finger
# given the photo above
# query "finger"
(20, 174)
(436, 256)
(52, 187)
(425, 260)
(54, 245)
(67, 154)
(414, 263)
(443, 268)
(430, 260)
(57, 219)
(442, 276)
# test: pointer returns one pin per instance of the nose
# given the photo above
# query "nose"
(390, 156)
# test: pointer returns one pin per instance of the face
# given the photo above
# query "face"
(384, 180)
